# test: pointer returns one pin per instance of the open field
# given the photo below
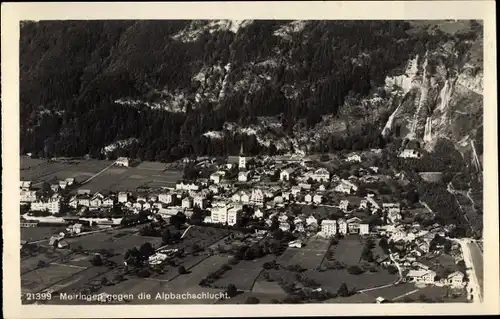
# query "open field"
(38, 233)
(43, 170)
(151, 174)
(348, 250)
(129, 178)
(198, 272)
(30, 263)
(244, 274)
(41, 278)
(311, 255)
(268, 287)
(332, 279)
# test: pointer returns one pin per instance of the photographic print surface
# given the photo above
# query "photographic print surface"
(251, 161)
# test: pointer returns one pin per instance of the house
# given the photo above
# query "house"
(353, 158)
(187, 203)
(295, 190)
(285, 195)
(410, 153)
(364, 229)
(166, 198)
(122, 197)
(353, 224)
(108, 202)
(455, 279)
(28, 196)
(26, 185)
(305, 186)
(214, 189)
(147, 205)
(63, 184)
(299, 228)
(74, 229)
(52, 205)
(424, 246)
(257, 197)
(70, 181)
(83, 192)
(342, 226)
(363, 204)
(320, 175)
(257, 213)
(308, 198)
(421, 276)
(282, 217)
(216, 177)
(311, 220)
(233, 215)
(122, 161)
(391, 207)
(54, 187)
(138, 205)
(329, 227)
(73, 202)
(372, 201)
(295, 244)
(284, 226)
(186, 186)
(96, 202)
(318, 199)
(199, 201)
(241, 196)
(344, 205)
(243, 176)
(278, 200)
(207, 219)
(287, 173)
(383, 260)
(346, 187)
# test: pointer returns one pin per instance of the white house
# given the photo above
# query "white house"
(233, 215)
(214, 189)
(199, 201)
(295, 244)
(410, 153)
(317, 199)
(122, 197)
(243, 176)
(28, 196)
(187, 203)
(242, 160)
(25, 185)
(311, 220)
(421, 276)
(295, 190)
(54, 187)
(342, 226)
(329, 228)
(284, 226)
(308, 198)
(257, 213)
(353, 158)
(187, 186)
(364, 229)
(166, 198)
(52, 205)
(257, 197)
(320, 175)
(216, 177)
(344, 205)
(122, 161)
(286, 174)
(96, 202)
(63, 184)
(346, 187)
(455, 279)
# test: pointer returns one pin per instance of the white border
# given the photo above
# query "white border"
(12, 13)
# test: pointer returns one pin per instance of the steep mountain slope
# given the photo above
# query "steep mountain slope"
(173, 88)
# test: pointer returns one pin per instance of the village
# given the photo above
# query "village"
(285, 229)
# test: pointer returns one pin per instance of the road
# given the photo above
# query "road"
(400, 271)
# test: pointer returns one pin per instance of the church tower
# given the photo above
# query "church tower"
(243, 159)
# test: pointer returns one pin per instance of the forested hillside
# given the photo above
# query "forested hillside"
(177, 88)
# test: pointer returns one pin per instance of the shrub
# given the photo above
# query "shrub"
(355, 270)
